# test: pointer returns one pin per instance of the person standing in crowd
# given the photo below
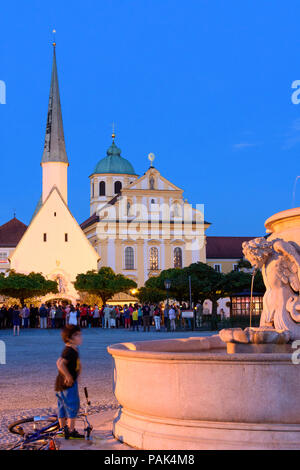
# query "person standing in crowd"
(156, 315)
(2, 318)
(67, 313)
(166, 317)
(43, 313)
(10, 314)
(118, 317)
(96, 317)
(113, 317)
(135, 318)
(172, 316)
(140, 315)
(59, 317)
(52, 313)
(73, 316)
(106, 312)
(146, 317)
(83, 316)
(16, 320)
(126, 316)
(33, 316)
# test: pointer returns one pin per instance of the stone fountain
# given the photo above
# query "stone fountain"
(235, 390)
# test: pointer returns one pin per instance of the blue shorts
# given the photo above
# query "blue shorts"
(68, 402)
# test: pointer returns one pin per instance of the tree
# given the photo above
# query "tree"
(26, 286)
(239, 281)
(104, 283)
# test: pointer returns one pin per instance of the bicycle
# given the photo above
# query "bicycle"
(34, 437)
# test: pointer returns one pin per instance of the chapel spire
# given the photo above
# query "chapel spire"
(54, 149)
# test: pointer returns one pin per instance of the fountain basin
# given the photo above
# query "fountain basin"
(190, 394)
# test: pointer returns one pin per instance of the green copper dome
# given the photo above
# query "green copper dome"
(114, 163)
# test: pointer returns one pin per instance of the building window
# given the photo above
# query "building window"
(54, 214)
(118, 187)
(129, 258)
(218, 268)
(102, 188)
(45, 237)
(3, 257)
(128, 208)
(154, 259)
(241, 305)
(235, 267)
(178, 258)
(66, 237)
(93, 189)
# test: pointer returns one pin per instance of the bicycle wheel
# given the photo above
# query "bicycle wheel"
(41, 444)
(34, 424)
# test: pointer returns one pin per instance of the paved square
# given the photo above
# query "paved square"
(27, 379)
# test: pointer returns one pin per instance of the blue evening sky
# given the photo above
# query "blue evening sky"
(203, 84)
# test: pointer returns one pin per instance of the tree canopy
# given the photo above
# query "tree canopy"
(104, 283)
(206, 283)
(25, 286)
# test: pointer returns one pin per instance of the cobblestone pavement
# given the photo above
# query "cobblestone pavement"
(27, 379)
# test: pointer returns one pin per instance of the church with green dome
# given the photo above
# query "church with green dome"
(111, 174)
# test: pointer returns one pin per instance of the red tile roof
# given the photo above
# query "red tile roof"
(11, 233)
(225, 247)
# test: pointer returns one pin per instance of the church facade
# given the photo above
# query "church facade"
(53, 243)
(141, 225)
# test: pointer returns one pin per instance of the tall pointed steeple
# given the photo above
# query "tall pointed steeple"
(55, 161)
(54, 149)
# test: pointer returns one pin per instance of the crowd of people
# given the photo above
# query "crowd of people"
(133, 316)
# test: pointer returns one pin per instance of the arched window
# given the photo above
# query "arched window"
(102, 188)
(93, 189)
(129, 258)
(154, 259)
(118, 187)
(178, 258)
(128, 208)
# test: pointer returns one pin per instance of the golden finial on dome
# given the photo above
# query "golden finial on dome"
(54, 33)
(113, 132)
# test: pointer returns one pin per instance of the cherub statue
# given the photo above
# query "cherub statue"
(280, 264)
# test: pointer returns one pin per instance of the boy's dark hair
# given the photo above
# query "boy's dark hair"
(68, 331)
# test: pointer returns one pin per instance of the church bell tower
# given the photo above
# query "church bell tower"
(55, 161)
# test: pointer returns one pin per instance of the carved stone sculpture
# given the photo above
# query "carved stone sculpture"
(279, 261)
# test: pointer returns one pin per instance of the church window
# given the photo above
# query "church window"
(128, 208)
(154, 258)
(102, 188)
(93, 189)
(129, 258)
(54, 214)
(118, 187)
(66, 237)
(45, 237)
(178, 258)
